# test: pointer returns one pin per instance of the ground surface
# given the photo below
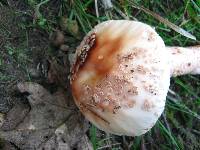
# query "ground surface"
(36, 43)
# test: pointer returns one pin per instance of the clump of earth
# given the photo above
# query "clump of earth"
(36, 108)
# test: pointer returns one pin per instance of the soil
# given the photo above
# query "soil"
(29, 54)
(21, 51)
(26, 53)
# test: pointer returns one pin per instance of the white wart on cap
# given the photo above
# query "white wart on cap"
(121, 77)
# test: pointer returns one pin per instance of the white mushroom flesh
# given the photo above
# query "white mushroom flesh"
(121, 77)
(184, 60)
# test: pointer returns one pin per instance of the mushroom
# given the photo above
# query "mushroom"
(121, 75)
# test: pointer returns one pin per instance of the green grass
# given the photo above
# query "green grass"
(182, 123)
(187, 17)
(181, 110)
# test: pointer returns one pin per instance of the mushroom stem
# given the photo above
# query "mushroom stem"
(184, 60)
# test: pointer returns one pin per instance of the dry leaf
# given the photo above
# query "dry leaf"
(84, 144)
(58, 74)
(15, 116)
(51, 123)
(8, 146)
(1, 119)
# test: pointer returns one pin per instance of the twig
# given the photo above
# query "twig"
(168, 127)
(195, 131)
(108, 146)
(121, 13)
(97, 10)
(125, 143)
(37, 11)
(166, 122)
(143, 147)
(172, 92)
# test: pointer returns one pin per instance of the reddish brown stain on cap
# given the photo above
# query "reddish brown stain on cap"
(106, 47)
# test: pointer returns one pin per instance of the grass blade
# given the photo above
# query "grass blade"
(162, 128)
(161, 19)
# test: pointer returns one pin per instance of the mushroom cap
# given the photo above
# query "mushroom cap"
(121, 76)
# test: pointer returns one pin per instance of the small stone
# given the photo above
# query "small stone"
(34, 73)
(64, 48)
(57, 38)
(71, 58)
